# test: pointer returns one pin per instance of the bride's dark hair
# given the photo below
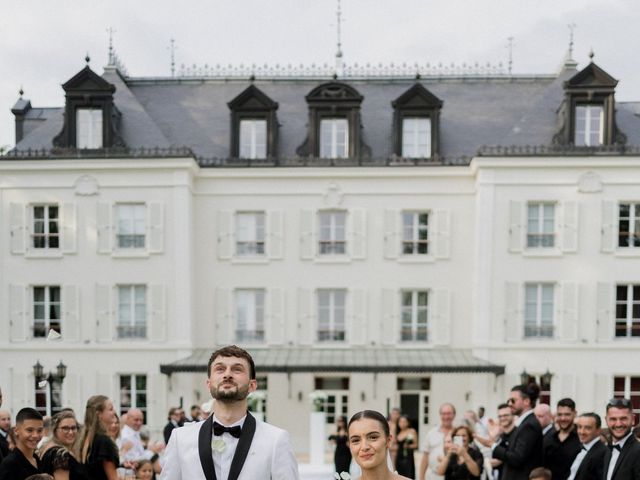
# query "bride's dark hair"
(373, 415)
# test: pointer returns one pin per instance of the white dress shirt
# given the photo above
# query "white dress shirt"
(136, 452)
(222, 459)
(615, 453)
(580, 457)
(522, 417)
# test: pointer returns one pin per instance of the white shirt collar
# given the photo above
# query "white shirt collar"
(239, 422)
(523, 416)
(624, 440)
(588, 446)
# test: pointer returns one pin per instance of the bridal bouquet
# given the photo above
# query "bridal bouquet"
(318, 399)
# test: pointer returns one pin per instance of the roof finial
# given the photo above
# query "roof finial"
(21, 91)
(510, 47)
(339, 64)
(591, 54)
(111, 31)
(87, 58)
(172, 48)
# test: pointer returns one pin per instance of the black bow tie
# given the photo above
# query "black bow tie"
(220, 429)
(616, 447)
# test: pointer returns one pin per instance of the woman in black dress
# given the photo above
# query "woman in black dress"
(342, 454)
(407, 439)
(462, 461)
(97, 451)
(57, 454)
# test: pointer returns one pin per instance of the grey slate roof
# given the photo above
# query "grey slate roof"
(355, 359)
(193, 112)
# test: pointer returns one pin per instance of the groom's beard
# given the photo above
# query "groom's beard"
(229, 395)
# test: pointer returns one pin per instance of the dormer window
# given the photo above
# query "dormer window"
(334, 123)
(253, 125)
(416, 121)
(89, 128)
(589, 125)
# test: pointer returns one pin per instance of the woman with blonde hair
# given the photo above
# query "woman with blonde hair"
(57, 454)
(95, 449)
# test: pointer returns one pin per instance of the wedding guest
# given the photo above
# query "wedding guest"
(174, 417)
(542, 412)
(392, 420)
(434, 443)
(369, 441)
(540, 473)
(342, 454)
(560, 448)
(461, 460)
(588, 463)
(22, 461)
(145, 470)
(407, 439)
(506, 426)
(58, 458)
(5, 427)
(96, 450)
(622, 462)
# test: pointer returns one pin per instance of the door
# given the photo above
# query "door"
(410, 406)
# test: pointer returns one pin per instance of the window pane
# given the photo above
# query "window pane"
(416, 138)
(589, 125)
(334, 138)
(88, 128)
(253, 139)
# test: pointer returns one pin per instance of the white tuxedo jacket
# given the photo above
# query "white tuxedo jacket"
(263, 453)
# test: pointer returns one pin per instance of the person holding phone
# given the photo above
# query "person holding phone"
(461, 460)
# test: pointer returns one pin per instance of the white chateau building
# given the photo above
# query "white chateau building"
(387, 238)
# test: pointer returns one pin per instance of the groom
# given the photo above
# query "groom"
(231, 444)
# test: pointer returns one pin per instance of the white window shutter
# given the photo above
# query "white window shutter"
(72, 392)
(440, 317)
(277, 321)
(442, 234)
(22, 390)
(224, 317)
(307, 235)
(358, 220)
(392, 233)
(17, 216)
(568, 318)
(155, 227)
(104, 313)
(513, 321)
(570, 216)
(156, 391)
(275, 239)
(69, 228)
(18, 316)
(157, 318)
(70, 313)
(608, 227)
(605, 312)
(603, 389)
(104, 224)
(306, 317)
(390, 314)
(358, 313)
(105, 385)
(225, 235)
(516, 225)
(567, 387)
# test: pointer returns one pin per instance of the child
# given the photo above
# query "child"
(540, 474)
(144, 471)
(22, 462)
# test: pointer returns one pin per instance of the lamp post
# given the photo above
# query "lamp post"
(50, 377)
(524, 377)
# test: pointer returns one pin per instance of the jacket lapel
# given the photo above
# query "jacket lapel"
(204, 449)
(625, 450)
(244, 444)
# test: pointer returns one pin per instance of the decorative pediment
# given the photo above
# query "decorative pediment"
(591, 76)
(87, 81)
(253, 99)
(417, 97)
(334, 92)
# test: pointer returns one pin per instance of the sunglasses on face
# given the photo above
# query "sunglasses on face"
(511, 400)
(68, 429)
(619, 403)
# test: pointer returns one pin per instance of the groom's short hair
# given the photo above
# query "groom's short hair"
(233, 351)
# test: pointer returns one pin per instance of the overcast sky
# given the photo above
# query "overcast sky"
(43, 42)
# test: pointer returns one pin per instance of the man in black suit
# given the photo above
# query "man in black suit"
(524, 452)
(588, 463)
(622, 461)
(175, 415)
(560, 448)
(5, 425)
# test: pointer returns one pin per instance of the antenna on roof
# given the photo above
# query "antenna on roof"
(572, 27)
(172, 48)
(339, 20)
(510, 47)
(111, 31)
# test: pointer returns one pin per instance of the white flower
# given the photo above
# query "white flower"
(342, 476)
(218, 445)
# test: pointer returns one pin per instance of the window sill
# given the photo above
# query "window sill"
(130, 254)
(542, 252)
(250, 260)
(627, 252)
(332, 259)
(416, 259)
(35, 254)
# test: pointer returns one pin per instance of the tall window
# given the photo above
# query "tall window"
(544, 382)
(133, 394)
(132, 311)
(415, 312)
(538, 311)
(331, 315)
(540, 225)
(415, 233)
(336, 400)
(416, 137)
(334, 138)
(332, 232)
(629, 225)
(89, 128)
(589, 129)
(253, 138)
(46, 231)
(628, 311)
(249, 305)
(48, 397)
(250, 233)
(46, 310)
(131, 226)
(628, 387)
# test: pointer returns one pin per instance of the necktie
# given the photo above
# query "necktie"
(220, 429)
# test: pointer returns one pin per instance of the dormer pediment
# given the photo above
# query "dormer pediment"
(334, 92)
(87, 81)
(592, 76)
(417, 97)
(252, 98)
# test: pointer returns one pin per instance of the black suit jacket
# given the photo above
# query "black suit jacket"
(628, 464)
(558, 456)
(168, 428)
(4, 446)
(524, 452)
(592, 463)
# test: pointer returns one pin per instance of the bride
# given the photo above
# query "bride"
(369, 441)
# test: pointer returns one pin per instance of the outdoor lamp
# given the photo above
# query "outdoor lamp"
(524, 377)
(545, 379)
(38, 370)
(61, 370)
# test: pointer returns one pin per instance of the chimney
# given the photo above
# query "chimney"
(20, 110)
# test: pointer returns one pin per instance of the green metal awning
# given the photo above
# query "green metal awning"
(353, 359)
